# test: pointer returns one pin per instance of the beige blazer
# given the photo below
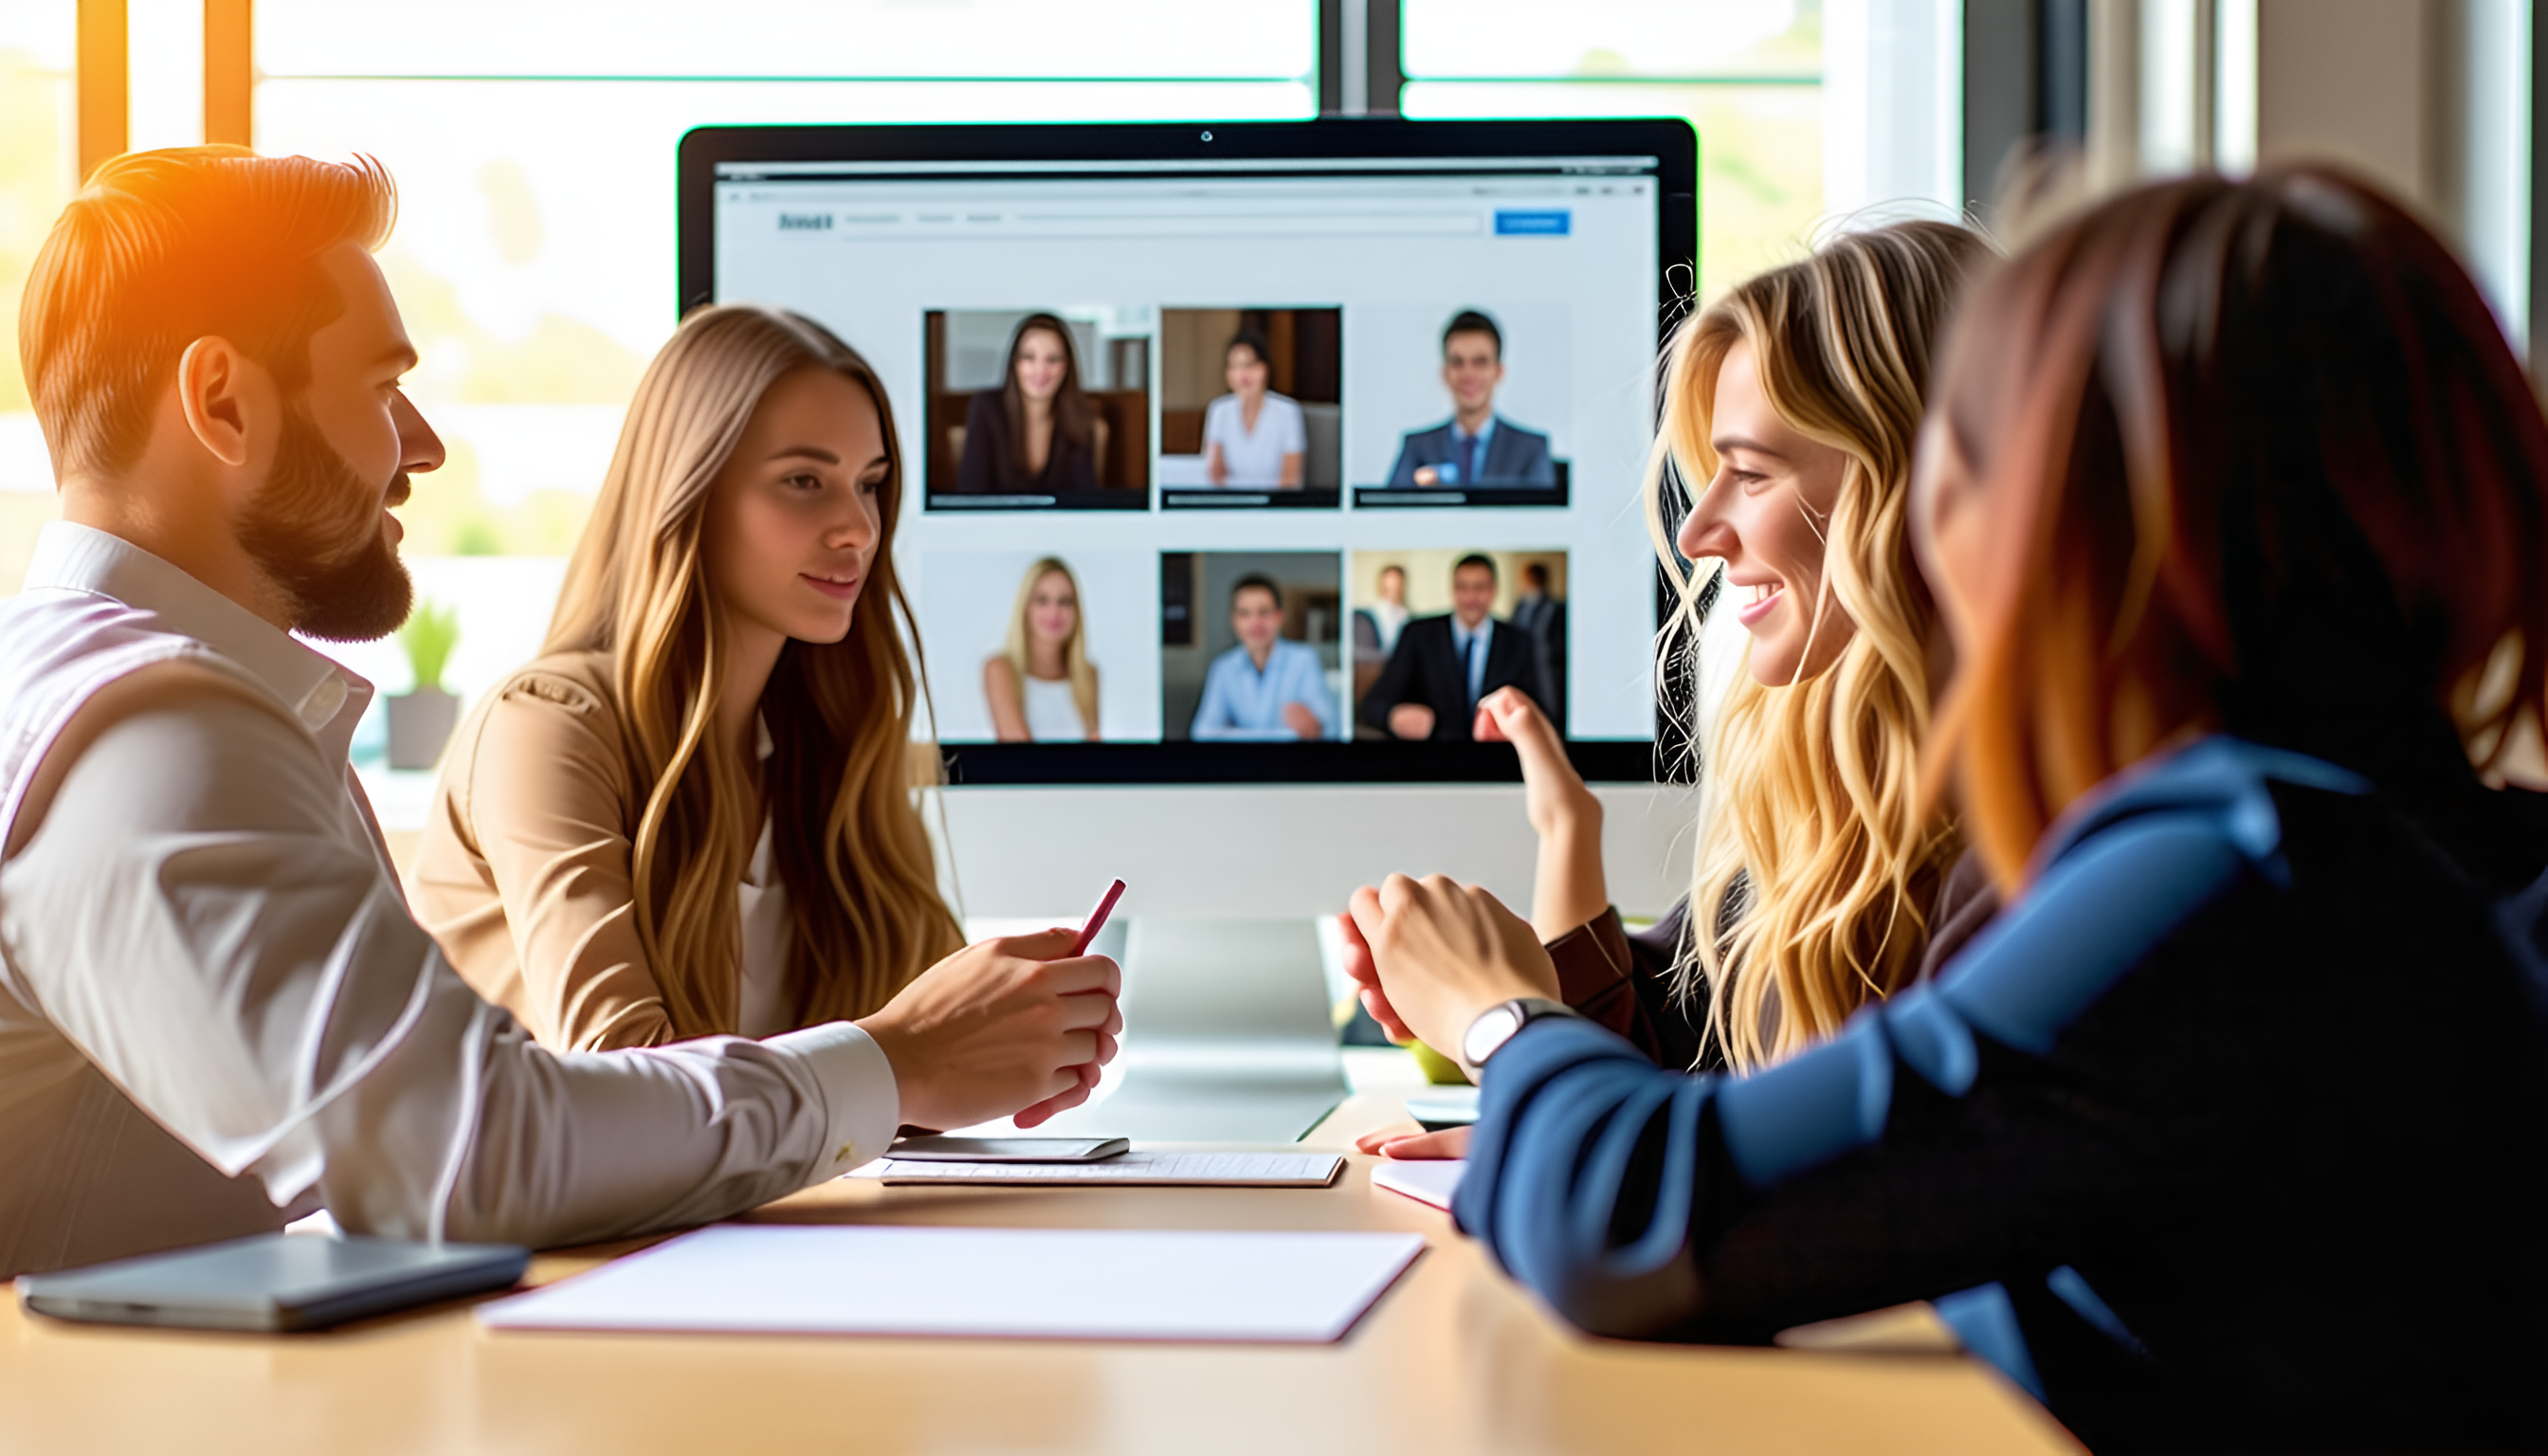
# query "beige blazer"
(524, 872)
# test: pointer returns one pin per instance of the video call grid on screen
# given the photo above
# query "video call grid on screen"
(1158, 283)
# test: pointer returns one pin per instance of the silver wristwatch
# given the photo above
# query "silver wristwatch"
(1497, 1024)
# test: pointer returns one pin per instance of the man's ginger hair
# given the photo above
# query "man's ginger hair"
(162, 248)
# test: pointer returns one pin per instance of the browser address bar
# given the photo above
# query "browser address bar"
(1177, 225)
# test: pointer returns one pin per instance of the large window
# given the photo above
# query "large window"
(1747, 73)
(535, 145)
(535, 252)
(534, 249)
(38, 167)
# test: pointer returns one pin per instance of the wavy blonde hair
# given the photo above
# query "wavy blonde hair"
(1075, 666)
(1817, 862)
(861, 883)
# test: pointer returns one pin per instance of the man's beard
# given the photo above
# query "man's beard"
(315, 530)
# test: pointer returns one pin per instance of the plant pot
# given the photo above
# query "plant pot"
(420, 723)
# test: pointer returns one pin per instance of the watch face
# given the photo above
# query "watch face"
(1489, 1031)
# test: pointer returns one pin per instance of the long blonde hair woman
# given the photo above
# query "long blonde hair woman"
(1040, 684)
(1813, 844)
(695, 813)
(1793, 405)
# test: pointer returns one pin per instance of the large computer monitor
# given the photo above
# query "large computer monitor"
(1236, 460)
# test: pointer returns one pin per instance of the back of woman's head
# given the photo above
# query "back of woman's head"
(2248, 456)
(1817, 862)
(850, 846)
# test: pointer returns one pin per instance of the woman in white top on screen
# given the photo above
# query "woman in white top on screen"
(1253, 436)
(1042, 687)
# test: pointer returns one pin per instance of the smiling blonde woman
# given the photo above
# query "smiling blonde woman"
(1041, 685)
(1791, 408)
(693, 814)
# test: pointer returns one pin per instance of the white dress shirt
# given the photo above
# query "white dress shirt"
(1390, 618)
(214, 1003)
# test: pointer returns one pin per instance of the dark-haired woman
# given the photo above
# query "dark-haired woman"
(1253, 437)
(2230, 500)
(1037, 434)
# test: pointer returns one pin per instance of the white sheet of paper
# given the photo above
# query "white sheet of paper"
(1018, 1282)
(1214, 1170)
(1427, 1180)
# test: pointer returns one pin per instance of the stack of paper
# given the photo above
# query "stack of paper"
(1136, 1168)
(1026, 1283)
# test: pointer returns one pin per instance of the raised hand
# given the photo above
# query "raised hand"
(1553, 793)
(1571, 888)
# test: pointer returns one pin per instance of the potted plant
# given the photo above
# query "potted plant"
(422, 719)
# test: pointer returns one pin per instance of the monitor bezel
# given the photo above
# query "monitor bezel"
(1670, 141)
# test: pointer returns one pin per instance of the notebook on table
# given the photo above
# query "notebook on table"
(1137, 1168)
(1429, 1181)
(1012, 1283)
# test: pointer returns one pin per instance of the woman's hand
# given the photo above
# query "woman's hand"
(1571, 888)
(1553, 793)
(1442, 953)
(1000, 1028)
(1418, 1147)
(1362, 972)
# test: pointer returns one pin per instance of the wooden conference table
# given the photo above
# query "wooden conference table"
(1453, 1359)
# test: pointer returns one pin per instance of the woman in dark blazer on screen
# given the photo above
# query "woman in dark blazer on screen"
(1037, 434)
(2237, 1117)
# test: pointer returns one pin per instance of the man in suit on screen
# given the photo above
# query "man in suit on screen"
(1476, 446)
(1444, 664)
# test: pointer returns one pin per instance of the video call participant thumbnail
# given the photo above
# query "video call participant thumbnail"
(1444, 664)
(1268, 687)
(1041, 685)
(1253, 436)
(1036, 410)
(1476, 446)
(1035, 435)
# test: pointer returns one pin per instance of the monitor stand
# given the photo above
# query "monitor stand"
(1226, 1036)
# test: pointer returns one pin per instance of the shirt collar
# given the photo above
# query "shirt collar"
(1461, 631)
(70, 557)
(1484, 431)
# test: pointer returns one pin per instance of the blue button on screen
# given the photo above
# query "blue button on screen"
(1516, 223)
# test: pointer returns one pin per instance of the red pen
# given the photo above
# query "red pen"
(1097, 918)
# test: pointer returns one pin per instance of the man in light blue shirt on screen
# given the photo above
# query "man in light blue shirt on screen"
(1267, 688)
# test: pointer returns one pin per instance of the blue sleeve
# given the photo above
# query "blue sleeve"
(1402, 474)
(1602, 1181)
(1541, 468)
(1214, 719)
(1309, 690)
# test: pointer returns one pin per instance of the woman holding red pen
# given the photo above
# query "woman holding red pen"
(694, 815)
